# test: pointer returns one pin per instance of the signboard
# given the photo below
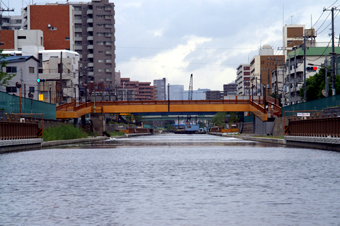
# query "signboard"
(41, 96)
(324, 93)
(303, 114)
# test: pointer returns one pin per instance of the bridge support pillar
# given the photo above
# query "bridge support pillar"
(98, 121)
(75, 122)
(83, 121)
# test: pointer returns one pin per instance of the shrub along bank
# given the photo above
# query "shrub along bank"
(63, 132)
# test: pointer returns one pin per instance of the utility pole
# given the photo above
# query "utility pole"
(295, 64)
(289, 85)
(333, 50)
(304, 69)
(326, 76)
(61, 78)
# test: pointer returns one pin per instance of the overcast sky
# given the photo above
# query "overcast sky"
(206, 38)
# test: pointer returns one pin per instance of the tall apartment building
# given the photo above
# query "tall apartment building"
(214, 95)
(134, 90)
(230, 89)
(94, 26)
(8, 22)
(161, 88)
(261, 67)
(87, 28)
(292, 36)
(243, 79)
(56, 23)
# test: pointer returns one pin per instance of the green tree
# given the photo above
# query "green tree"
(233, 117)
(4, 76)
(316, 83)
(219, 118)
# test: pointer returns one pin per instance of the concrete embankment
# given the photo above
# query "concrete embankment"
(73, 141)
(324, 143)
(34, 144)
(19, 145)
(253, 138)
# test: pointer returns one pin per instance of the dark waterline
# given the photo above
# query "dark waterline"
(170, 180)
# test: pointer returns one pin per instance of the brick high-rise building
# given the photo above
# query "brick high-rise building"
(56, 23)
(87, 28)
(134, 90)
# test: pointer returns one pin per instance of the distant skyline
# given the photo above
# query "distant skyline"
(156, 39)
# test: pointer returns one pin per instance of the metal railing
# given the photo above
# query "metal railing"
(18, 130)
(319, 126)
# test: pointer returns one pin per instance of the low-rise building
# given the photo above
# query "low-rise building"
(25, 69)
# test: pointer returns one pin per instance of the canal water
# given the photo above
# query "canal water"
(170, 180)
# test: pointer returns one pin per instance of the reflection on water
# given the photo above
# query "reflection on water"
(170, 180)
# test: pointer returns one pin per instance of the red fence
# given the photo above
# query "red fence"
(320, 127)
(18, 130)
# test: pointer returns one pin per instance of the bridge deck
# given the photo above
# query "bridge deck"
(75, 110)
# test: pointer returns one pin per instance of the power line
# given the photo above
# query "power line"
(322, 54)
(179, 48)
(329, 23)
(172, 62)
(324, 21)
(332, 4)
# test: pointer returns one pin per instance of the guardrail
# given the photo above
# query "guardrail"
(18, 130)
(318, 127)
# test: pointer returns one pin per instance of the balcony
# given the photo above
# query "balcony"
(90, 73)
(89, 29)
(77, 12)
(89, 21)
(90, 47)
(79, 47)
(78, 29)
(90, 64)
(89, 38)
(90, 11)
(90, 55)
(77, 21)
(78, 38)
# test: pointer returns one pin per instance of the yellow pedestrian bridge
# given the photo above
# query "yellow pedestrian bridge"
(253, 104)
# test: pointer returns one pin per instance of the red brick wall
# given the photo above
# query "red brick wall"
(57, 16)
(7, 36)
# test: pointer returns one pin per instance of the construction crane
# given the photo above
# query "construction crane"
(190, 88)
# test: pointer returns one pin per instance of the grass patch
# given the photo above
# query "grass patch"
(63, 132)
(116, 133)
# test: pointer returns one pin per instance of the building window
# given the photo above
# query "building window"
(11, 69)
(52, 28)
(101, 79)
(100, 43)
(100, 25)
(108, 34)
(107, 16)
(100, 16)
(108, 70)
(108, 61)
(100, 34)
(100, 7)
(100, 51)
(100, 70)
(21, 37)
(31, 69)
(108, 8)
(18, 21)
(100, 61)
(108, 52)
(108, 79)
(67, 38)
